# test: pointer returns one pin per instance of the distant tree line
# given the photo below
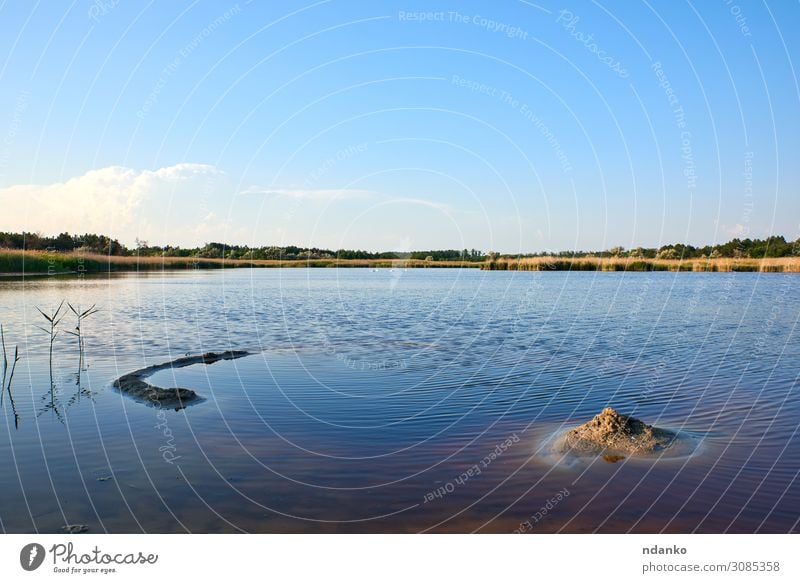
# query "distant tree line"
(63, 243)
(776, 246)
(449, 255)
(91, 243)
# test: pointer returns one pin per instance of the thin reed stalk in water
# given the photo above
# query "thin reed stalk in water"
(8, 387)
(13, 368)
(5, 365)
(5, 359)
(53, 319)
(77, 332)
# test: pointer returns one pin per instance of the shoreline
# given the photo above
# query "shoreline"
(638, 264)
(44, 264)
(15, 263)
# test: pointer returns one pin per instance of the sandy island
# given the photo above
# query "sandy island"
(615, 436)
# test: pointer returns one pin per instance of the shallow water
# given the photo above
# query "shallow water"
(404, 401)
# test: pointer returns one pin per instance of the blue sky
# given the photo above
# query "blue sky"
(513, 126)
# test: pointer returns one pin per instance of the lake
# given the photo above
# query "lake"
(418, 400)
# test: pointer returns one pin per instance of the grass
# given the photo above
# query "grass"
(722, 264)
(17, 262)
(13, 261)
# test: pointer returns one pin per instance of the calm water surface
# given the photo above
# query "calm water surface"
(404, 401)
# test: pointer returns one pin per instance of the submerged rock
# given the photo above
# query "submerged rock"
(613, 458)
(134, 385)
(614, 436)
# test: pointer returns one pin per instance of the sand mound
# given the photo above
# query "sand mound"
(613, 434)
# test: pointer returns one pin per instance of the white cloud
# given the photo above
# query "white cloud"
(316, 194)
(184, 171)
(116, 200)
(191, 204)
(447, 209)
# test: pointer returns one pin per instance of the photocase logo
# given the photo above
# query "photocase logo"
(31, 556)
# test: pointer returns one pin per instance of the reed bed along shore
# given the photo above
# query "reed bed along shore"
(16, 262)
(719, 264)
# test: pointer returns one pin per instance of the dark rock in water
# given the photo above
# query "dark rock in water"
(615, 435)
(612, 458)
(134, 385)
(75, 528)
